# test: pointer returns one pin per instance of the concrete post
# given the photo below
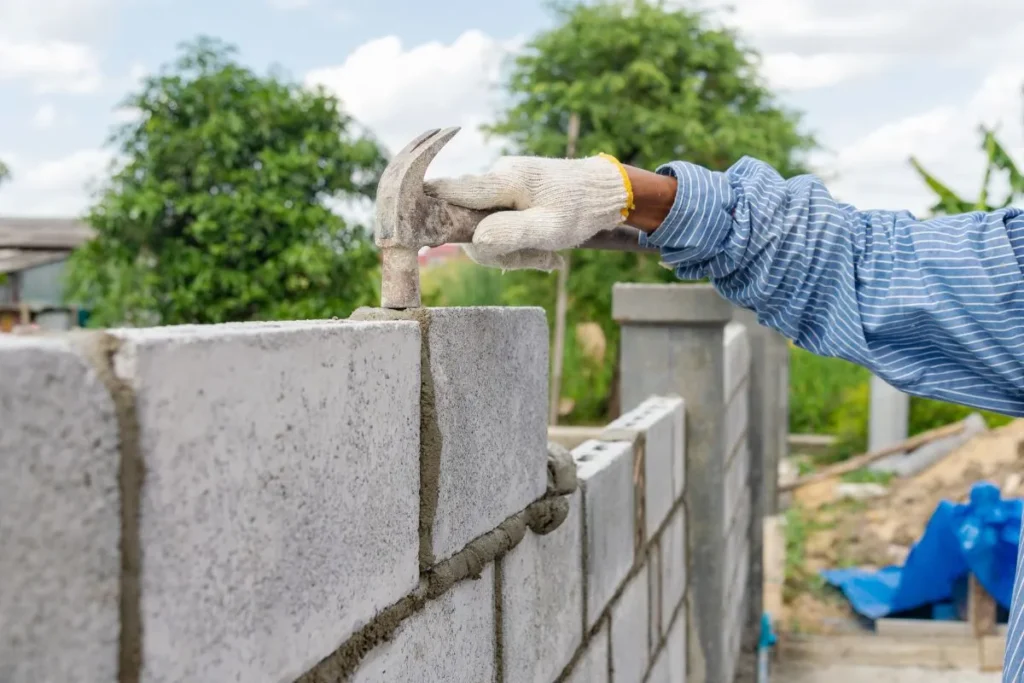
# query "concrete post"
(767, 430)
(673, 343)
(889, 416)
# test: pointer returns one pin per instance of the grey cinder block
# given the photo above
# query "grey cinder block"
(59, 516)
(673, 566)
(542, 601)
(605, 473)
(490, 381)
(629, 637)
(655, 424)
(592, 667)
(280, 502)
(450, 640)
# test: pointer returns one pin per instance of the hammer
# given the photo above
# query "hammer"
(407, 220)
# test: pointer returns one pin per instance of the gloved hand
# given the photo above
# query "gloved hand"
(552, 204)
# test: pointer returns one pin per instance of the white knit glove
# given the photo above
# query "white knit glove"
(555, 204)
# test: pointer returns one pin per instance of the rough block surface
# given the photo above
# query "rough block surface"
(676, 644)
(654, 594)
(592, 667)
(736, 416)
(280, 503)
(490, 373)
(737, 355)
(542, 601)
(630, 651)
(673, 566)
(737, 483)
(451, 640)
(59, 516)
(657, 420)
(605, 473)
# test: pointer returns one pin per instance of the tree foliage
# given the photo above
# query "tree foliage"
(997, 161)
(651, 84)
(217, 209)
(5, 173)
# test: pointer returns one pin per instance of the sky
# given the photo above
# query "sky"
(876, 80)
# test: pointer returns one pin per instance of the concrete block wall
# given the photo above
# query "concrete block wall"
(371, 499)
(682, 340)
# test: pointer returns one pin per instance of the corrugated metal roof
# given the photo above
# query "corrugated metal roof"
(15, 260)
(43, 233)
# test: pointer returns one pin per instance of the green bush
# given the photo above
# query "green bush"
(833, 396)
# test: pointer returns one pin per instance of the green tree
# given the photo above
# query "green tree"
(651, 84)
(217, 210)
(5, 173)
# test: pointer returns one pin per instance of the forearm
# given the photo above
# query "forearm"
(934, 307)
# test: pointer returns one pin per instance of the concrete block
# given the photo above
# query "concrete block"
(668, 303)
(451, 640)
(737, 356)
(673, 567)
(630, 649)
(542, 601)
(736, 418)
(737, 483)
(280, 505)
(592, 667)
(659, 669)
(605, 474)
(59, 516)
(490, 376)
(654, 423)
(737, 542)
(654, 594)
(675, 644)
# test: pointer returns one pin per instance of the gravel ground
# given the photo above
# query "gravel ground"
(870, 674)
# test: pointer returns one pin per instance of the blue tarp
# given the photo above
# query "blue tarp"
(980, 537)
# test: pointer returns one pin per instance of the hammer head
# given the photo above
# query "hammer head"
(407, 219)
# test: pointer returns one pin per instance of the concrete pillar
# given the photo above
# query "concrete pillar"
(673, 343)
(769, 405)
(767, 432)
(889, 417)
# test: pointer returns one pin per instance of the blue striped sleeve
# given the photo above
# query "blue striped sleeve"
(934, 307)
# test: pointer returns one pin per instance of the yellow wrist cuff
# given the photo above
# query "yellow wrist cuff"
(625, 181)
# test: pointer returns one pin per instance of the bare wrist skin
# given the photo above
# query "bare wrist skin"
(653, 196)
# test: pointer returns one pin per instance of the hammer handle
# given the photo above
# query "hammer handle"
(621, 238)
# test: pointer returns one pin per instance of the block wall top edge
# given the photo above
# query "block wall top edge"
(694, 304)
(252, 329)
(647, 414)
(17, 342)
(593, 456)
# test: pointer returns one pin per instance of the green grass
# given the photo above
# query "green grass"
(832, 396)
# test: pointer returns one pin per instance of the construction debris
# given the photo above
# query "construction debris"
(872, 532)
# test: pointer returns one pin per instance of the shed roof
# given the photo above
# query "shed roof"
(46, 234)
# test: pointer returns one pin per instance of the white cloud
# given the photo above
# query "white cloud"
(399, 92)
(51, 66)
(44, 117)
(790, 71)
(47, 43)
(57, 187)
(874, 172)
(289, 5)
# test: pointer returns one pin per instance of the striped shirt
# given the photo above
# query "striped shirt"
(934, 307)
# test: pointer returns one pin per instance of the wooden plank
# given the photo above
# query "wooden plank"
(990, 652)
(922, 628)
(981, 608)
(870, 650)
(774, 565)
(571, 437)
(865, 459)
